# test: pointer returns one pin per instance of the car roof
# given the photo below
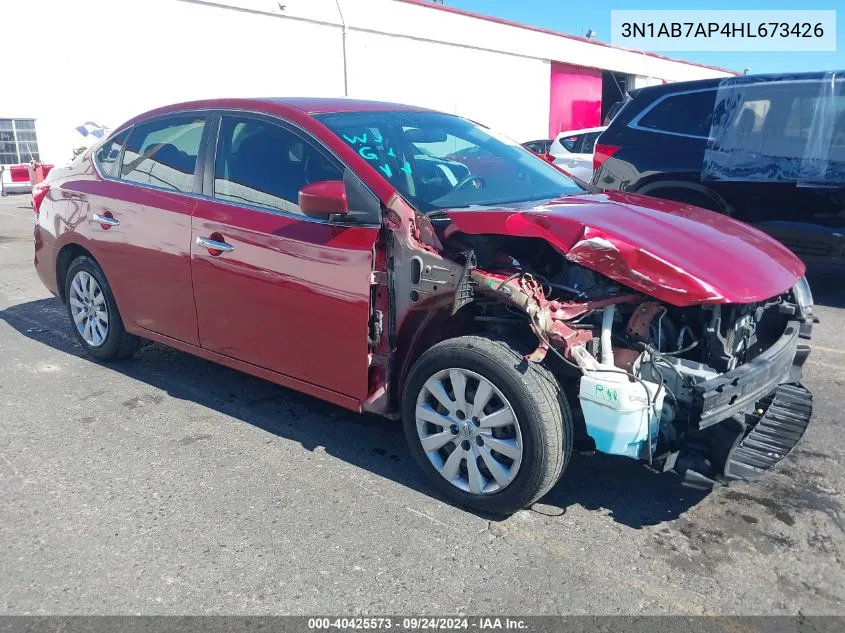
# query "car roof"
(585, 130)
(715, 82)
(322, 105)
(285, 106)
(306, 105)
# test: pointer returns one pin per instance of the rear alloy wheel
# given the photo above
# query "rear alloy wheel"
(93, 312)
(88, 309)
(491, 430)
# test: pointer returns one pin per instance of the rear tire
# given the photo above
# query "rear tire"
(537, 446)
(93, 312)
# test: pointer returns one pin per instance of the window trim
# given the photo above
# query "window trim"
(215, 115)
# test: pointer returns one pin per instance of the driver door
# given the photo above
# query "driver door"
(282, 291)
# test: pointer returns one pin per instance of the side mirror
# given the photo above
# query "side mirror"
(326, 196)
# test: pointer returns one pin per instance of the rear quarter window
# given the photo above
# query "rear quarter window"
(570, 142)
(108, 155)
(689, 113)
(589, 144)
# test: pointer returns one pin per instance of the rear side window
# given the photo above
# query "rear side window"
(163, 153)
(539, 147)
(589, 144)
(108, 155)
(570, 142)
(264, 164)
(781, 131)
(689, 113)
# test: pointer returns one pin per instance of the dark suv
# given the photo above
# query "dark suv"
(768, 150)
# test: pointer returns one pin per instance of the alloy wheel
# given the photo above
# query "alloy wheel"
(89, 309)
(469, 431)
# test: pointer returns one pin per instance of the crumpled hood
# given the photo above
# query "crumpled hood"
(677, 253)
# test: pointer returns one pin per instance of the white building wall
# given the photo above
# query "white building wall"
(638, 81)
(425, 22)
(506, 92)
(107, 60)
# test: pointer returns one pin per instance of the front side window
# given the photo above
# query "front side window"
(163, 153)
(264, 164)
(439, 161)
(688, 113)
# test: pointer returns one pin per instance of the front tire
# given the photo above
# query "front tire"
(491, 430)
(93, 312)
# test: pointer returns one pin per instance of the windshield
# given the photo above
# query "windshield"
(438, 161)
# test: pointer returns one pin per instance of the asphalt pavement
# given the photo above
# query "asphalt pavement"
(165, 484)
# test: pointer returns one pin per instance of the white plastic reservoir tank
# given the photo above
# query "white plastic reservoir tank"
(617, 412)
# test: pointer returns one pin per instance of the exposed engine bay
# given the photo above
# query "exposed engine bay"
(645, 373)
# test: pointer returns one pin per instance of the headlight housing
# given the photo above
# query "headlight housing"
(803, 297)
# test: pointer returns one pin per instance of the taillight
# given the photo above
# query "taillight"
(602, 153)
(39, 192)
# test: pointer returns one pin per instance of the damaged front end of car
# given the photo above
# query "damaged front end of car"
(712, 392)
(668, 367)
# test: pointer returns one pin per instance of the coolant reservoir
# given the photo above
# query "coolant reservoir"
(618, 414)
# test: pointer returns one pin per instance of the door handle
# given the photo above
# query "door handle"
(105, 220)
(214, 245)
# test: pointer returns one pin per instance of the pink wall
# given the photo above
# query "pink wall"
(575, 98)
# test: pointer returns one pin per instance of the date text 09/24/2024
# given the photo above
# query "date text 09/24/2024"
(418, 623)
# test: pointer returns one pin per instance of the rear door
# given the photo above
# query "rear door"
(777, 158)
(582, 158)
(288, 293)
(139, 221)
(570, 158)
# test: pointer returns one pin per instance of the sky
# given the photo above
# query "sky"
(576, 17)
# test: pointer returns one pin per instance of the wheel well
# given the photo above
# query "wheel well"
(65, 257)
(420, 331)
(423, 329)
(687, 192)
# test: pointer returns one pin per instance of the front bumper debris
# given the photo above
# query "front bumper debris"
(774, 435)
(736, 391)
(765, 411)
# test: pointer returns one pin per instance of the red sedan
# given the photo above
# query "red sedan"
(347, 250)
